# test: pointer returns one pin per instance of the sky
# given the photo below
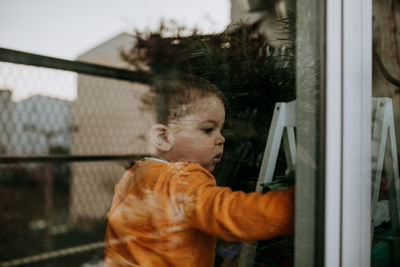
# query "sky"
(67, 28)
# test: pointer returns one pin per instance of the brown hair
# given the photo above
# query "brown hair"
(173, 93)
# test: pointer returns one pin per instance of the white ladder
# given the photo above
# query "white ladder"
(383, 147)
(282, 127)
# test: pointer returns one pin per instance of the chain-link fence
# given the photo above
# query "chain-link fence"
(65, 139)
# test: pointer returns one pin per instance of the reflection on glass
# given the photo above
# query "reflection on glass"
(57, 207)
(253, 75)
(386, 135)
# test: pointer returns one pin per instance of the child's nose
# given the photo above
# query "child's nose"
(220, 139)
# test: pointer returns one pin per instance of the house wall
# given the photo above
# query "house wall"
(107, 53)
(112, 120)
(41, 122)
(31, 126)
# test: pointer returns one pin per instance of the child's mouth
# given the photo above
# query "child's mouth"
(217, 158)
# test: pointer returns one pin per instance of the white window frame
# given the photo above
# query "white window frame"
(348, 133)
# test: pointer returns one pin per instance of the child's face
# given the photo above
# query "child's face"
(196, 137)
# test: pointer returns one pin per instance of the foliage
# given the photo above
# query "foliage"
(252, 74)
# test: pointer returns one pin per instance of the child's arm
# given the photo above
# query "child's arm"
(234, 216)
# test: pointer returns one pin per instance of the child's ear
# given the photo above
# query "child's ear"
(159, 137)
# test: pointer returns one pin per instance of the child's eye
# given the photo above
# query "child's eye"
(208, 130)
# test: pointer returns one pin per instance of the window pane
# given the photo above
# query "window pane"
(309, 105)
(386, 135)
(68, 136)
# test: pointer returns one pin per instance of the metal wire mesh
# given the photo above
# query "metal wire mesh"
(53, 206)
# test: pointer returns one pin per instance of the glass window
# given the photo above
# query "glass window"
(77, 106)
(385, 136)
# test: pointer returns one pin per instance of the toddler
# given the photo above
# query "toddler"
(167, 209)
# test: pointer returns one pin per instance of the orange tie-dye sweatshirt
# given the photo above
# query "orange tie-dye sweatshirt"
(169, 214)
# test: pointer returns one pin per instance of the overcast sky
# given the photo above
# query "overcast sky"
(67, 28)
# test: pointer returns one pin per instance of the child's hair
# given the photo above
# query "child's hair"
(173, 94)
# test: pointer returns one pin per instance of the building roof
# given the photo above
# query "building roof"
(108, 52)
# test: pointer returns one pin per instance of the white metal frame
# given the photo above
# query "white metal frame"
(348, 134)
(281, 129)
(384, 144)
(333, 130)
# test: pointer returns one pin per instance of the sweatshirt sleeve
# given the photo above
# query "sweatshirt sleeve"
(233, 215)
